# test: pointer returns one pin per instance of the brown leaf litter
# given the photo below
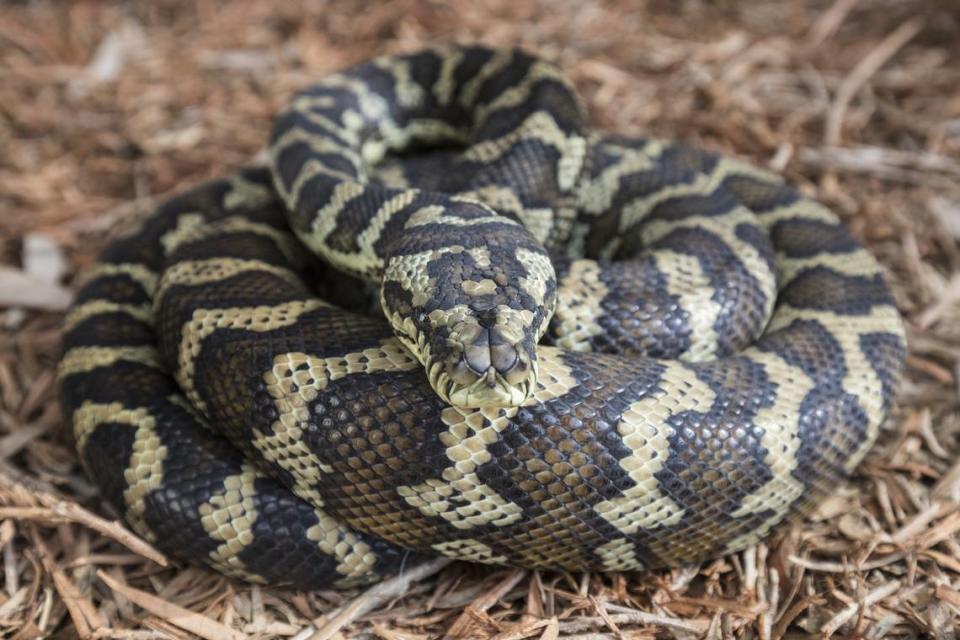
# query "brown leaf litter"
(108, 107)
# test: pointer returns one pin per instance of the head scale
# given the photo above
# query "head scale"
(473, 314)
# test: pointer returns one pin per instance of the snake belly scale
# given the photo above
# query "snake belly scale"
(586, 351)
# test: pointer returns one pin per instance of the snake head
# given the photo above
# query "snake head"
(473, 316)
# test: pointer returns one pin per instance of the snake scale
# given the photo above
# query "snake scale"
(450, 318)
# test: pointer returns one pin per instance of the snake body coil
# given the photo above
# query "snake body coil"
(717, 352)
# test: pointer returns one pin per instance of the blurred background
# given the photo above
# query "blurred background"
(106, 108)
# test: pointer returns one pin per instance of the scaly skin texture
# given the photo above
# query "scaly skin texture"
(717, 352)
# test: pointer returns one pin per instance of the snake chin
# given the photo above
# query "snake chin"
(485, 364)
(462, 385)
(478, 374)
(490, 390)
(474, 363)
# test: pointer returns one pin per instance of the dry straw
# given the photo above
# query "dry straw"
(105, 108)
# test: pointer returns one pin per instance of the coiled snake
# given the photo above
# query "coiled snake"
(717, 351)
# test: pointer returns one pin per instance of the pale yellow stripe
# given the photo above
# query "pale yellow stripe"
(199, 272)
(82, 312)
(85, 359)
(137, 272)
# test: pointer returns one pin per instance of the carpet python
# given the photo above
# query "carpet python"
(450, 318)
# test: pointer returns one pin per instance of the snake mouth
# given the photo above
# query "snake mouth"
(484, 367)
(488, 389)
(487, 372)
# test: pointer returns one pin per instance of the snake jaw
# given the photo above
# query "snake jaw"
(477, 353)
(475, 366)
(486, 364)
(490, 390)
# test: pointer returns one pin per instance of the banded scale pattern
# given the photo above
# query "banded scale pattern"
(715, 351)
(155, 457)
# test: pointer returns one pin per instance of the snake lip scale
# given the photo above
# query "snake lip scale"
(451, 318)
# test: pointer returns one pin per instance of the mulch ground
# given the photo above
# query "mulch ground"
(106, 108)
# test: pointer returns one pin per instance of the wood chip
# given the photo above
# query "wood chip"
(107, 112)
(178, 616)
(19, 289)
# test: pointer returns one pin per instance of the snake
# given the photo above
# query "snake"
(448, 317)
